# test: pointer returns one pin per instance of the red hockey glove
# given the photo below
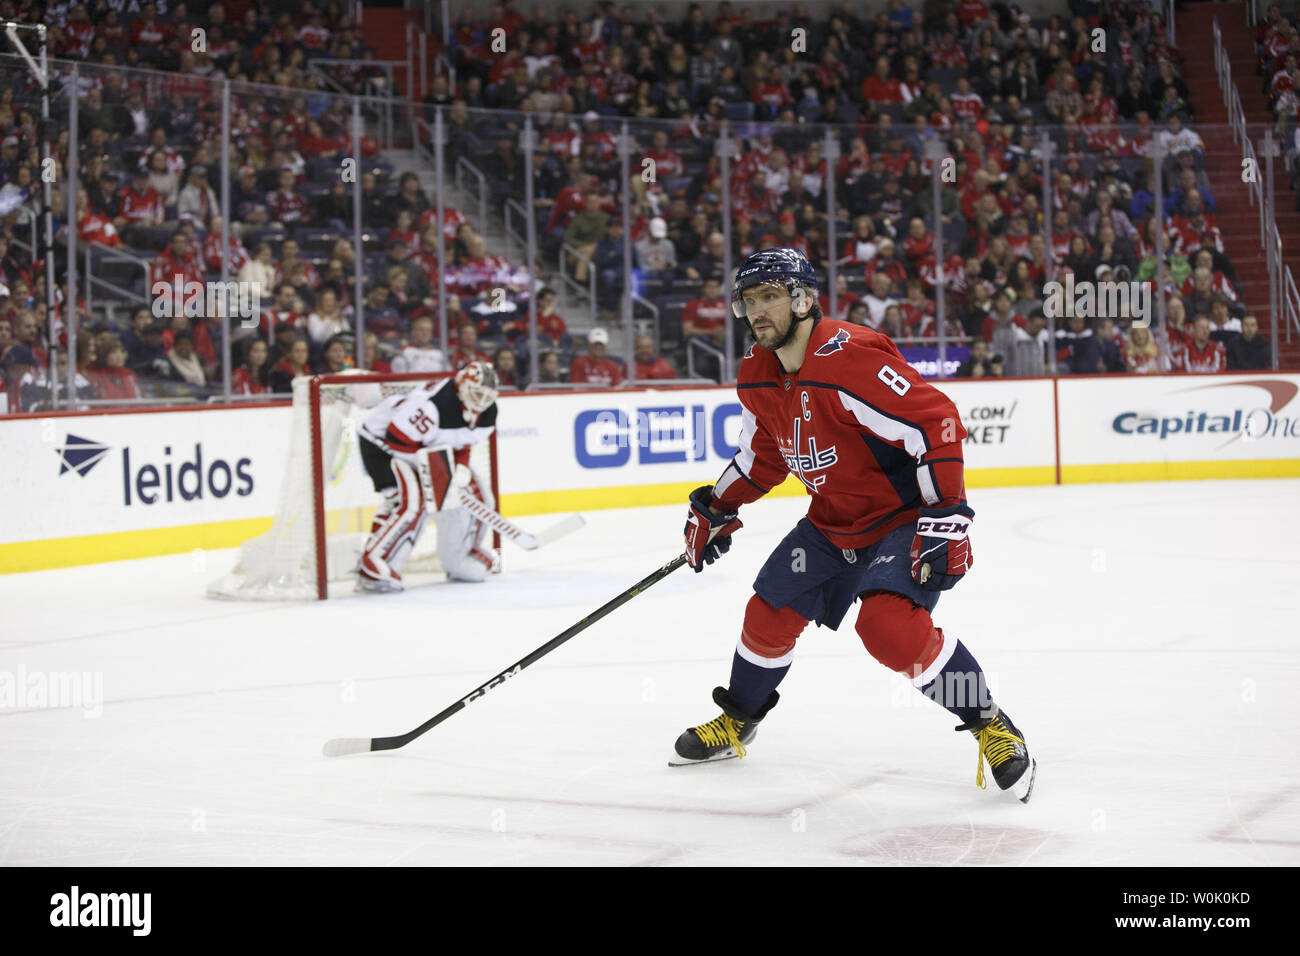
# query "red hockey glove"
(708, 532)
(941, 548)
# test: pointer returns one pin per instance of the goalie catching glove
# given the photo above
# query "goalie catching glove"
(941, 549)
(708, 532)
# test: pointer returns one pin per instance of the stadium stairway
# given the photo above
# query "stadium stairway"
(383, 29)
(1237, 218)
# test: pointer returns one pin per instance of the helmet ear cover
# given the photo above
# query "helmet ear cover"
(784, 266)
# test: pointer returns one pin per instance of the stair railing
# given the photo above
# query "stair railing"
(1290, 307)
(573, 282)
(1284, 304)
(694, 345)
(467, 170)
(515, 209)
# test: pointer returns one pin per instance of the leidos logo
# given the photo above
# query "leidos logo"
(80, 454)
(184, 479)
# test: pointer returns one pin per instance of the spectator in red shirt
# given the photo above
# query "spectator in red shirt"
(93, 227)
(1202, 353)
(375, 362)
(880, 87)
(114, 380)
(548, 320)
(707, 315)
(649, 365)
(250, 377)
(595, 368)
(467, 350)
(142, 207)
(971, 12)
(286, 204)
(147, 34)
(174, 264)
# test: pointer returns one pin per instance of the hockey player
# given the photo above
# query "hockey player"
(416, 450)
(880, 453)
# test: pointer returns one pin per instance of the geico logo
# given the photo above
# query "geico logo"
(605, 437)
(185, 480)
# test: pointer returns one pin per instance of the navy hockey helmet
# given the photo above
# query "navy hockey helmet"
(785, 266)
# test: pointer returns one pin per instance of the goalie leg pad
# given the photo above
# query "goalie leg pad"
(392, 539)
(898, 633)
(436, 471)
(460, 535)
(456, 546)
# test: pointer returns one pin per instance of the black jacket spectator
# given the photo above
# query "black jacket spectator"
(1250, 355)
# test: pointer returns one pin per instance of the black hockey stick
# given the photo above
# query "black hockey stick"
(342, 746)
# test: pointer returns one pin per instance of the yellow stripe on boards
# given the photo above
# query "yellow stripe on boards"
(633, 496)
(1010, 477)
(152, 542)
(124, 545)
(1181, 470)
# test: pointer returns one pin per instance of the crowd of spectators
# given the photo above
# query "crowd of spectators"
(984, 80)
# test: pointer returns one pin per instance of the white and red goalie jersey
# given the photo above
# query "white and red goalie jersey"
(430, 416)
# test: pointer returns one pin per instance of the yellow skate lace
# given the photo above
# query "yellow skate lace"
(722, 731)
(997, 745)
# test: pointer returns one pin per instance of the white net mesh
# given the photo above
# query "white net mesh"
(280, 565)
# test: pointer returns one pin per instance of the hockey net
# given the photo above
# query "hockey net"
(326, 498)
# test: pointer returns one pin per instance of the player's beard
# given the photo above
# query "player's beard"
(772, 326)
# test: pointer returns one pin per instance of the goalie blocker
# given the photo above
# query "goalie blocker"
(415, 448)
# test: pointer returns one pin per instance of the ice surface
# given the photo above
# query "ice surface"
(1144, 637)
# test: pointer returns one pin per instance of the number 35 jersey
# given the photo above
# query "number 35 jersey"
(871, 441)
(428, 417)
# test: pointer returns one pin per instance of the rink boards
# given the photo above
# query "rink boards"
(87, 487)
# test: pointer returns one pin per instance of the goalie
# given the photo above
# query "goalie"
(415, 447)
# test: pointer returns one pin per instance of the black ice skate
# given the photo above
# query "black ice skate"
(723, 737)
(1008, 756)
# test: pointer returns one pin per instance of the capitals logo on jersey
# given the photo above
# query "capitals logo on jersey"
(835, 343)
(817, 459)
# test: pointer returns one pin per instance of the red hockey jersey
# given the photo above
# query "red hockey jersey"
(869, 438)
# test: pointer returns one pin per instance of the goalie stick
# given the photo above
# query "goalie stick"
(342, 746)
(437, 488)
(529, 542)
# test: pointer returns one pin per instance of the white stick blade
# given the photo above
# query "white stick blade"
(560, 529)
(343, 746)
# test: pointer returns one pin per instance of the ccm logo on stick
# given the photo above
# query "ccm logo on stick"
(496, 682)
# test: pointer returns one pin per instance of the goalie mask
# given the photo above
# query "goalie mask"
(477, 385)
